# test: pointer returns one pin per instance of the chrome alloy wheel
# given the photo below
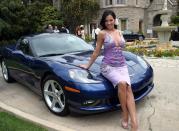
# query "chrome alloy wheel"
(54, 96)
(5, 71)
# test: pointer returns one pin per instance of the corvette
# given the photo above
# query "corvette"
(48, 63)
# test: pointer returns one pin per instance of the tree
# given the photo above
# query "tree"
(40, 14)
(22, 17)
(76, 12)
(10, 18)
(50, 15)
(175, 19)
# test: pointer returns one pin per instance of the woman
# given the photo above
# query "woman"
(78, 31)
(114, 66)
(82, 32)
(56, 30)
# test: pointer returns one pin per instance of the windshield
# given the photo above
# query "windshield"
(127, 32)
(59, 44)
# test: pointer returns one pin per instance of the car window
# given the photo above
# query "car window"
(59, 44)
(127, 32)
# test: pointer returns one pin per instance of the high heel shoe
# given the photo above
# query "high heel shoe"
(124, 124)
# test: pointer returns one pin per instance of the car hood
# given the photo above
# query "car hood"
(74, 60)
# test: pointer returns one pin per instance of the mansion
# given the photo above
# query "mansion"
(134, 15)
(138, 15)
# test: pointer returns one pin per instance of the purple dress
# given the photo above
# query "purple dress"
(114, 66)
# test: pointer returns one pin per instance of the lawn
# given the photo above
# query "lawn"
(9, 122)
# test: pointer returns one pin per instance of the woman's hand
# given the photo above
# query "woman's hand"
(85, 66)
(96, 52)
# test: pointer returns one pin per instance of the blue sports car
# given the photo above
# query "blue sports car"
(49, 65)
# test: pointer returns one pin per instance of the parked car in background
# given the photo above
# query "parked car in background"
(175, 35)
(48, 63)
(131, 36)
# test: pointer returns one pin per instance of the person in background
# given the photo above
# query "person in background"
(56, 30)
(63, 30)
(67, 29)
(93, 35)
(82, 32)
(97, 30)
(114, 67)
(78, 31)
(49, 29)
(93, 32)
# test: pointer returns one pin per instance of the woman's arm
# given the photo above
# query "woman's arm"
(100, 40)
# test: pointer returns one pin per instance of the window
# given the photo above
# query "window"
(140, 26)
(151, 1)
(120, 1)
(108, 2)
(123, 24)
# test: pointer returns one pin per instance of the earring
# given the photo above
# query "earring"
(116, 22)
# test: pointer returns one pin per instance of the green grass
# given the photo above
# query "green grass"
(9, 122)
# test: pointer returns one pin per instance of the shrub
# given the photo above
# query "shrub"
(153, 52)
(176, 52)
(139, 51)
(88, 38)
(168, 53)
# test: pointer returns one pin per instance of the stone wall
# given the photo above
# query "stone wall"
(134, 15)
(155, 8)
(144, 11)
(130, 11)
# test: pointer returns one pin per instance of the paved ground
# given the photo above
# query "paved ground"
(159, 111)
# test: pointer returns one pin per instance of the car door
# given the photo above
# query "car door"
(23, 63)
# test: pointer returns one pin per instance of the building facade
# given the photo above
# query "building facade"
(138, 15)
(135, 15)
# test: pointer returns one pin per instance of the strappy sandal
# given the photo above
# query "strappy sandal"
(124, 124)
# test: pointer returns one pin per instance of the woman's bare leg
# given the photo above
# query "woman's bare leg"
(122, 95)
(132, 109)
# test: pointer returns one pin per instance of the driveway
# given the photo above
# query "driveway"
(159, 111)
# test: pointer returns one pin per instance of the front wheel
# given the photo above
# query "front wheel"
(54, 96)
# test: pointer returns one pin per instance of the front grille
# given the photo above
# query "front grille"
(113, 101)
(137, 95)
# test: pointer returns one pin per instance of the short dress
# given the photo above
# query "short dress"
(113, 66)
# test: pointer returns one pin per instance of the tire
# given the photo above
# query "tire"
(141, 38)
(5, 72)
(54, 96)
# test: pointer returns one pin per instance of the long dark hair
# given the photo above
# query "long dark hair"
(103, 19)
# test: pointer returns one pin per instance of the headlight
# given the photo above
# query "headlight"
(82, 76)
(142, 62)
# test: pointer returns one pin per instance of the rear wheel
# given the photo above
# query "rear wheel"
(54, 96)
(5, 72)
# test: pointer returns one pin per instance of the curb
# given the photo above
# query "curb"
(44, 123)
(164, 58)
